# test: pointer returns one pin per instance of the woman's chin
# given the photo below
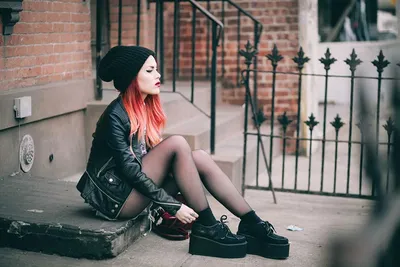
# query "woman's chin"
(156, 91)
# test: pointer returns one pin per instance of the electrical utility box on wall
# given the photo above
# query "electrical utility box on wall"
(23, 107)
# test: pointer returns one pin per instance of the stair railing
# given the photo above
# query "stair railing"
(258, 28)
(216, 30)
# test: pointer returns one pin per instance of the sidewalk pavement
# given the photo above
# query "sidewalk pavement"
(321, 218)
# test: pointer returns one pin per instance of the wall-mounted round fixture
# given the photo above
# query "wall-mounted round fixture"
(26, 153)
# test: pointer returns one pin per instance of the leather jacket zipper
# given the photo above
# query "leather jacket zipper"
(103, 167)
(133, 153)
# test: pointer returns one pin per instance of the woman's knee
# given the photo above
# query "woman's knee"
(178, 142)
(199, 154)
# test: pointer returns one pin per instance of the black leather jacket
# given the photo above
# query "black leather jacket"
(114, 169)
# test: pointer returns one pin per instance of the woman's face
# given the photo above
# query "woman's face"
(148, 78)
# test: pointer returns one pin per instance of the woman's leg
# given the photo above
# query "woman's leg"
(219, 185)
(172, 155)
(261, 239)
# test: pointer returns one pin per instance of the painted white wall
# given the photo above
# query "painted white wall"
(339, 88)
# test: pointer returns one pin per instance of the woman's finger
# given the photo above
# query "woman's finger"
(194, 214)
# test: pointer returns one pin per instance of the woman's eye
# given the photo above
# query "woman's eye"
(149, 71)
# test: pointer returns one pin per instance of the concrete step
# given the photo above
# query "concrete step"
(201, 92)
(229, 121)
(229, 156)
(177, 108)
(52, 218)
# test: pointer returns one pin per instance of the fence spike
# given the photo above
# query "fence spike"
(300, 59)
(381, 63)
(311, 122)
(389, 126)
(353, 61)
(249, 53)
(362, 125)
(274, 57)
(284, 121)
(260, 117)
(327, 60)
(337, 122)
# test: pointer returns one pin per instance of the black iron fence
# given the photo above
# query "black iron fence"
(335, 167)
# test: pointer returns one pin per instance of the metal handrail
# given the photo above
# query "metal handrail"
(209, 16)
(217, 30)
(247, 14)
(258, 27)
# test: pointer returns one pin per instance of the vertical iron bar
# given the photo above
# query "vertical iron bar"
(336, 155)
(378, 108)
(350, 131)
(324, 131)
(157, 27)
(139, 6)
(120, 22)
(309, 162)
(99, 41)
(175, 45)
(246, 117)
(161, 40)
(107, 3)
(255, 93)
(193, 51)
(361, 164)
(208, 43)
(388, 165)
(258, 156)
(238, 46)
(213, 86)
(223, 41)
(179, 43)
(271, 139)
(298, 128)
(283, 157)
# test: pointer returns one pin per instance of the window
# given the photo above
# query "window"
(357, 20)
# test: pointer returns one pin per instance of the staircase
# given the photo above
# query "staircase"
(190, 121)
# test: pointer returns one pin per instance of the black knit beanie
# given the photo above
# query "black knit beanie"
(122, 63)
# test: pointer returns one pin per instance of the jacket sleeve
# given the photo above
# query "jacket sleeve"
(117, 136)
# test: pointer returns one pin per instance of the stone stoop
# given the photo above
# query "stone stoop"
(52, 218)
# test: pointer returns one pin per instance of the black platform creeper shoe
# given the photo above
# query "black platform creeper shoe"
(262, 240)
(216, 241)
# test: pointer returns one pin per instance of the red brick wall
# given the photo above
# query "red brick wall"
(50, 43)
(280, 20)
(129, 21)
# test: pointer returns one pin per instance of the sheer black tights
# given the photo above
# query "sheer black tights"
(173, 166)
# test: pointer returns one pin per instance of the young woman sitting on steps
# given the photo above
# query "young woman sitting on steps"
(130, 165)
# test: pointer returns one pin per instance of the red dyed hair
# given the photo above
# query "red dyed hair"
(150, 115)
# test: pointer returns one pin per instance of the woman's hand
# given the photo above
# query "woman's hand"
(186, 214)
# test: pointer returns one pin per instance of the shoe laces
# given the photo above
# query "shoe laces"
(224, 219)
(269, 227)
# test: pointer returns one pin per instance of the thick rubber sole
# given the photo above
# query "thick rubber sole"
(266, 250)
(203, 246)
(171, 236)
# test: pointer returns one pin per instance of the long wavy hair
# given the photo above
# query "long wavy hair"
(144, 114)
